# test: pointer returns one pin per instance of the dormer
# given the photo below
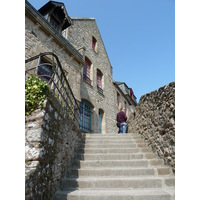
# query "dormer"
(56, 14)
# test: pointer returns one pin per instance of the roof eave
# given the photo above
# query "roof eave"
(43, 22)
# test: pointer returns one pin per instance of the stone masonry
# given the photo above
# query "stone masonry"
(80, 34)
(40, 38)
(51, 142)
(155, 122)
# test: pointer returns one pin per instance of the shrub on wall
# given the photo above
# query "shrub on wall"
(36, 91)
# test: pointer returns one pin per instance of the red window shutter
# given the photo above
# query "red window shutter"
(88, 70)
(131, 93)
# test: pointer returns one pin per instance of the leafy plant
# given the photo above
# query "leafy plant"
(35, 93)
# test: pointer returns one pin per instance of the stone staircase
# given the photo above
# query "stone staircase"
(117, 167)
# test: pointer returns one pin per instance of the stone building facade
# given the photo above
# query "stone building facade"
(97, 91)
(78, 44)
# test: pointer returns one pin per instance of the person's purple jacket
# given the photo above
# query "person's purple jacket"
(121, 117)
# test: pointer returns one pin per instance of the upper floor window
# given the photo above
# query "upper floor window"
(87, 70)
(131, 93)
(94, 44)
(100, 81)
(55, 13)
(55, 23)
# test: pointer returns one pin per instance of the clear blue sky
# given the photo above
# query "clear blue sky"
(139, 37)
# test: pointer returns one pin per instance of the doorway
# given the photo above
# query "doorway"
(100, 120)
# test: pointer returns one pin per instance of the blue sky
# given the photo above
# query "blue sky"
(139, 37)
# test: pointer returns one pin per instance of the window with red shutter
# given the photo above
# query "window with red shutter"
(86, 70)
(131, 93)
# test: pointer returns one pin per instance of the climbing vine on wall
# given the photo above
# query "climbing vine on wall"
(35, 93)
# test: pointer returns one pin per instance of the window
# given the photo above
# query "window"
(100, 120)
(54, 22)
(86, 117)
(86, 70)
(94, 44)
(99, 81)
(131, 93)
(44, 70)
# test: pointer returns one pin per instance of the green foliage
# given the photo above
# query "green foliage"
(35, 93)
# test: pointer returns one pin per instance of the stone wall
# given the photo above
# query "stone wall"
(51, 142)
(155, 121)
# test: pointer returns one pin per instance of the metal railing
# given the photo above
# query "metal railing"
(99, 89)
(47, 66)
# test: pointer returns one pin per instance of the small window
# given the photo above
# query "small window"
(86, 70)
(131, 93)
(94, 44)
(44, 70)
(99, 81)
(100, 120)
(54, 22)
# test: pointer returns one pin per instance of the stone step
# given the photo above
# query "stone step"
(116, 194)
(118, 163)
(114, 145)
(111, 163)
(155, 162)
(113, 136)
(114, 156)
(75, 172)
(112, 149)
(110, 142)
(117, 139)
(117, 182)
(111, 156)
(120, 171)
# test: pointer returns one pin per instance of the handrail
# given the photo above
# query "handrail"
(58, 83)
